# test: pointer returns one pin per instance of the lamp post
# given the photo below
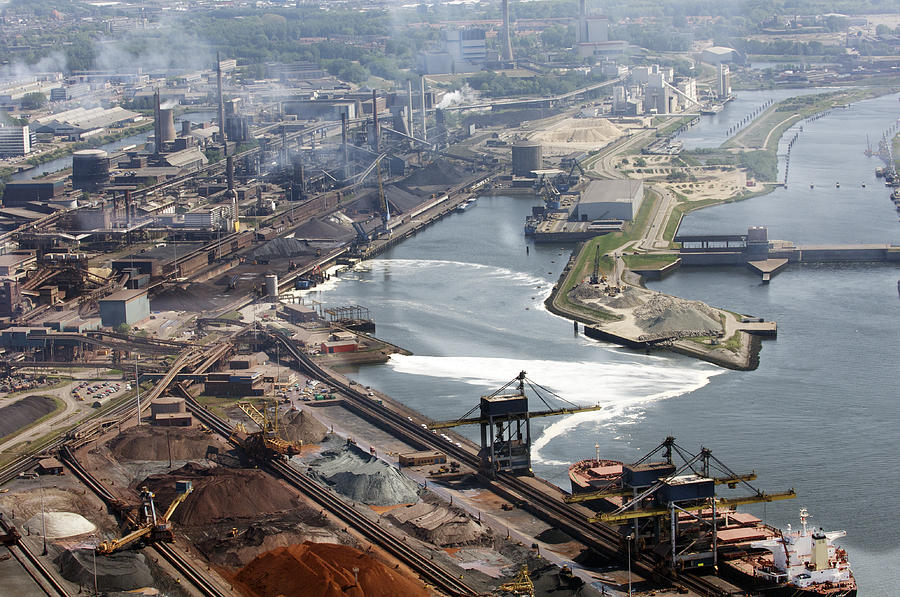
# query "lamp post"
(43, 522)
(629, 538)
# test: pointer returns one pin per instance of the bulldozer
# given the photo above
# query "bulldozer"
(153, 528)
(265, 443)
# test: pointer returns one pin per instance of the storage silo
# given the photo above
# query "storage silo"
(271, 285)
(527, 156)
(90, 169)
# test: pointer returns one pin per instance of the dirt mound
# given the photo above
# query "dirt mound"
(177, 298)
(120, 571)
(300, 426)
(364, 478)
(663, 313)
(628, 298)
(579, 131)
(324, 229)
(439, 172)
(221, 493)
(439, 524)
(154, 443)
(24, 412)
(325, 570)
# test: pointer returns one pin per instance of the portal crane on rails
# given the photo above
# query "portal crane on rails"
(505, 424)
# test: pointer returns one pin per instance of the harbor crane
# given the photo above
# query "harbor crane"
(153, 528)
(676, 502)
(505, 422)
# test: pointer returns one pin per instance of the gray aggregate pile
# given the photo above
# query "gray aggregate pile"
(364, 478)
(120, 571)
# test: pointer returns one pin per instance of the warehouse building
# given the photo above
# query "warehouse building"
(125, 306)
(610, 200)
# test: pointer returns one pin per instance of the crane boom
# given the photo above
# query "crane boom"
(612, 492)
(176, 502)
(531, 415)
(614, 517)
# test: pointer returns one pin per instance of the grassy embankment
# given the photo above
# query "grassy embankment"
(584, 263)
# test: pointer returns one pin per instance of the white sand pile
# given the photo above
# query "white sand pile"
(663, 313)
(578, 133)
(61, 524)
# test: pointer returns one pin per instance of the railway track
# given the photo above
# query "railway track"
(41, 575)
(602, 538)
(196, 578)
(372, 530)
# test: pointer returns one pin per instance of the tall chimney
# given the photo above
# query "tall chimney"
(409, 112)
(221, 103)
(375, 143)
(424, 112)
(505, 43)
(157, 128)
(344, 144)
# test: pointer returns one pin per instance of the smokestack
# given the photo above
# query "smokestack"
(157, 129)
(221, 103)
(424, 112)
(344, 144)
(166, 125)
(375, 118)
(505, 43)
(185, 127)
(409, 111)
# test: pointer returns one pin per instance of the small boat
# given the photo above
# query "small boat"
(812, 186)
(837, 185)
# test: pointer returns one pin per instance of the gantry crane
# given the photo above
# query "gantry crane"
(504, 418)
(153, 528)
(676, 503)
(266, 442)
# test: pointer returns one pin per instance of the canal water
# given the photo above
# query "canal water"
(819, 415)
(138, 139)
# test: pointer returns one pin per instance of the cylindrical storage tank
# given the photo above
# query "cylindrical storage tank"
(90, 168)
(527, 156)
(185, 127)
(271, 285)
(166, 124)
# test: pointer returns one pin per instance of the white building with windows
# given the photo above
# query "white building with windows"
(15, 140)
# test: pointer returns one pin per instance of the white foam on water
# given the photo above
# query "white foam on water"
(623, 388)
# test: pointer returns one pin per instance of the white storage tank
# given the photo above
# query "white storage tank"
(272, 285)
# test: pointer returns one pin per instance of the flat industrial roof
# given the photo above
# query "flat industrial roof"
(125, 295)
(611, 191)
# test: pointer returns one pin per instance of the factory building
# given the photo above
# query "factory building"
(15, 140)
(718, 55)
(20, 192)
(80, 123)
(527, 156)
(212, 217)
(610, 200)
(125, 306)
(467, 49)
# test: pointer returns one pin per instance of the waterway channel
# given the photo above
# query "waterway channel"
(138, 139)
(819, 415)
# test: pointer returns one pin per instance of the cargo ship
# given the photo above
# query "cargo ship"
(708, 530)
(801, 563)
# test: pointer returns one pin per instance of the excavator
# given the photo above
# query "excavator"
(153, 528)
(265, 443)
